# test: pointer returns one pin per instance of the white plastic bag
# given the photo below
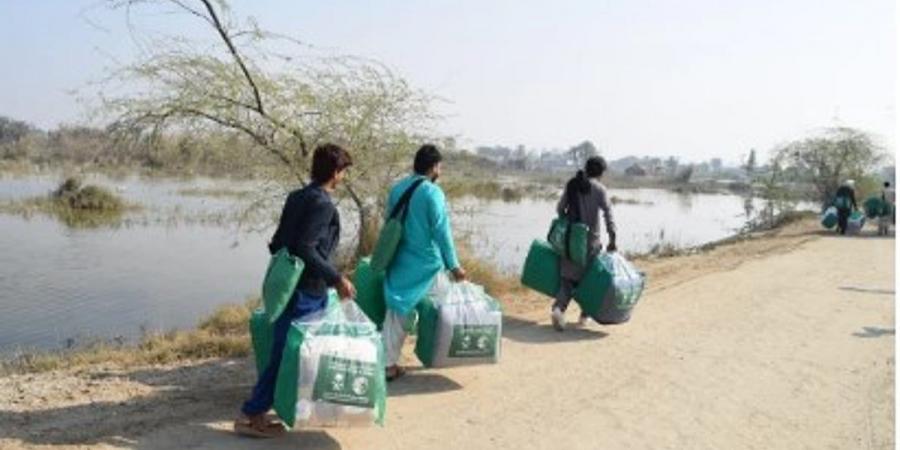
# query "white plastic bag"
(332, 371)
(461, 326)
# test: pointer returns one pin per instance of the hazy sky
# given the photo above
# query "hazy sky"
(693, 78)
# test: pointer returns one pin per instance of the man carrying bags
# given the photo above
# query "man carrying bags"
(309, 229)
(425, 249)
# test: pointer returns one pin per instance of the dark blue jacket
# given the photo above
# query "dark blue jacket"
(310, 227)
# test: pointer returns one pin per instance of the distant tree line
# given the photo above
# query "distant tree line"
(210, 153)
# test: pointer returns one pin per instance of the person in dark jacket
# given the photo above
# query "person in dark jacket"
(584, 193)
(310, 228)
(845, 202)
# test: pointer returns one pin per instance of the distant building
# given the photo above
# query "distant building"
(496, 154)
(555, 162)
(635, 170)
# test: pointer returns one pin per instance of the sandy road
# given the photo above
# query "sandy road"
(766, 345)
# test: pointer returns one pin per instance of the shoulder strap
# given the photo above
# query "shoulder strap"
(403, 204)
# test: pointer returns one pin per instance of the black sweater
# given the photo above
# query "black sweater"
(847, 191)
(310, 227)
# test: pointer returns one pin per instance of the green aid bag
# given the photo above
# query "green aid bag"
(541, 269)
(280, 282)
(332, 371)
(464, 327)
(570, 240)
(610, 289)
(392, 232)
(830, 217)
(873, 207)
(370, 291)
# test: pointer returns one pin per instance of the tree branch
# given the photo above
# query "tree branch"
(217, 24)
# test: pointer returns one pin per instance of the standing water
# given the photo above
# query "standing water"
(60, 286)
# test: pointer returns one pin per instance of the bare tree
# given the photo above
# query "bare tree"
(827, 160)
(279, 96)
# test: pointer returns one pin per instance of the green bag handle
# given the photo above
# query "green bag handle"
(573, 214)
(391, 234)
(568, 225)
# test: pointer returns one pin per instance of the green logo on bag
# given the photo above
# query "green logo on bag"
(345, 382)
(628, 295)
(473, 341)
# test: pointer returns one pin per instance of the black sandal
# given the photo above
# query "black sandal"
(393, 373)
(265, 430)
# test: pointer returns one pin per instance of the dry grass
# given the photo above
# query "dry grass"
(223, 334)
(483, 273)
(215, 193)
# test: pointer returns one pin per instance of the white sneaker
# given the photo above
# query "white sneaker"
(558, 318)
(582, 320)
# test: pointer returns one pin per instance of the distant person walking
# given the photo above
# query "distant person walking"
(584, 193)
(888, 200)
(426, 249)
(845, 202)
(310, 228)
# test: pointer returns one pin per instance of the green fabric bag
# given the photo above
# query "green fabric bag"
(872, 206)
(428, 316)
(541, 269)
(342, 384)
(392, 232)
(370, 291)
(570, 240)
(830, 217)
(280, 282)
(876, 207)
(609, 289)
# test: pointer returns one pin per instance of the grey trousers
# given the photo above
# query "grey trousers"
(565, 294)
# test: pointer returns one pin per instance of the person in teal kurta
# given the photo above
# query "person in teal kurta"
(425, 251)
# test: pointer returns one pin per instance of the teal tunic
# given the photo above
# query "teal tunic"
(425, 249)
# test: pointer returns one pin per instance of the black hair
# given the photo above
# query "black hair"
(887, 184)
(427, 157)
(329, 159)
(594, 167)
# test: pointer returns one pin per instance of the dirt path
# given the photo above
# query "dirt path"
(764, 344)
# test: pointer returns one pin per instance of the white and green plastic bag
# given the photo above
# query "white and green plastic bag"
(460, 325)
(610, 289)
(332, 371)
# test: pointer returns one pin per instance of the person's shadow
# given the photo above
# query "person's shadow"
(530, 332)
(192, 406)
(187, 409)
(874, 332)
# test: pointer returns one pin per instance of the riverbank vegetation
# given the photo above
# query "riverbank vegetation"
(74, 204)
